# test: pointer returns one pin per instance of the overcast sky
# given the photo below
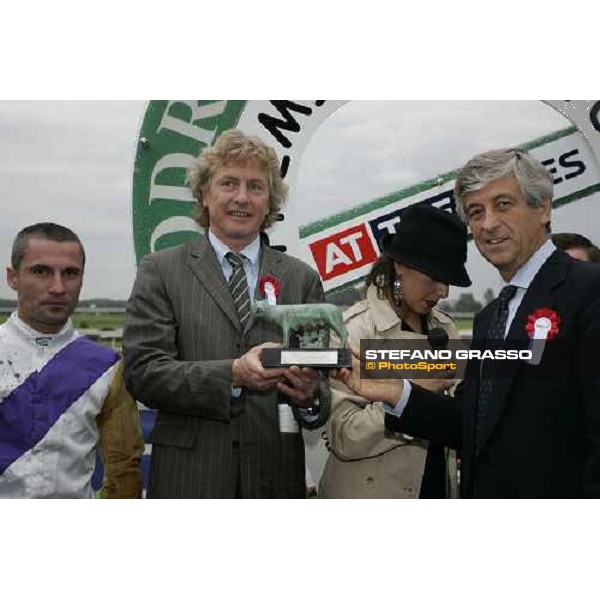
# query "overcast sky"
(72, 162)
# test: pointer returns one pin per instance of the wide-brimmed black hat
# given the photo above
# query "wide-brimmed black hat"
(432, 241)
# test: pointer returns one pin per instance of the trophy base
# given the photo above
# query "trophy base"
(317, 358)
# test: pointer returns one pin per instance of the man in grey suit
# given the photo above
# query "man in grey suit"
(192, 346)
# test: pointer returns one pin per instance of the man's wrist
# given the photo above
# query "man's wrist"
(234, 379)
(314, 407)
(398, 407)
(236, 387)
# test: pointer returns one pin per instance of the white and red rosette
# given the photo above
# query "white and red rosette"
(544, 323)
(269, 288)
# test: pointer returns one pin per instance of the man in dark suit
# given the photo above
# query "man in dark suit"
(192, 346)
(526, 429)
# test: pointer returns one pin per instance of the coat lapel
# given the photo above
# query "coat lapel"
(538, 295)
(271, 264)
(203, 263)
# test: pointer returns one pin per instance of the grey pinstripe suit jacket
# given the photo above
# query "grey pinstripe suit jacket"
(181, 336)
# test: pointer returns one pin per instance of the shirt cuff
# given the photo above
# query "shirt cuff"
(236, 392)
(402, 402)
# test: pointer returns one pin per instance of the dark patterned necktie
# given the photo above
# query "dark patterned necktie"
(238, 286)
(494, 339)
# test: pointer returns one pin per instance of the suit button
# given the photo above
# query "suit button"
(370, 481)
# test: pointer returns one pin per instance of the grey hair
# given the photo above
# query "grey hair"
(533, 178)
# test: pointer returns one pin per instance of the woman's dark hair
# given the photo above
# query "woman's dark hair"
(382, 275)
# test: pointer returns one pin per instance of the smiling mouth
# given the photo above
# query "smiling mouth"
(239, 213)
(496, 242)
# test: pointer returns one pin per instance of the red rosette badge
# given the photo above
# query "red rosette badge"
(269, 288)
(544, 324)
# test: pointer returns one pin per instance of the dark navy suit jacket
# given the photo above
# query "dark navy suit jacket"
(541, 438)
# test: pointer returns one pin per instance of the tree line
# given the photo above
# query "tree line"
(100, 302)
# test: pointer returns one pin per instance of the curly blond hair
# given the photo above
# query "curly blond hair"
(235, 147)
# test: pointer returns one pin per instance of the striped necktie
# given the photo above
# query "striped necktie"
(494, 340)
(238, 286)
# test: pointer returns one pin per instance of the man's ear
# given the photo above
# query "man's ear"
(546, 207)
(12, 277)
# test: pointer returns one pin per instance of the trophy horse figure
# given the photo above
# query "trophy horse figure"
(311, 322)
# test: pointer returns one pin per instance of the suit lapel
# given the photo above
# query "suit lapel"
(271, 264)
(538, 295)
(203, 263)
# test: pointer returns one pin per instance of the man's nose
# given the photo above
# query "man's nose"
(242, 192)
(489, 221)
(58, 284)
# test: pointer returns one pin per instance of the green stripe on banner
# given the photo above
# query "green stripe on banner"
(592, 189)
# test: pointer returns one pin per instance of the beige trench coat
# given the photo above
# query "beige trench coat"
(366, 461)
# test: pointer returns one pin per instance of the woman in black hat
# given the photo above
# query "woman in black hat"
(420, 261)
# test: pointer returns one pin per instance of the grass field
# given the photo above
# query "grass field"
(105, 321)
(109, 321)
(463, 324)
